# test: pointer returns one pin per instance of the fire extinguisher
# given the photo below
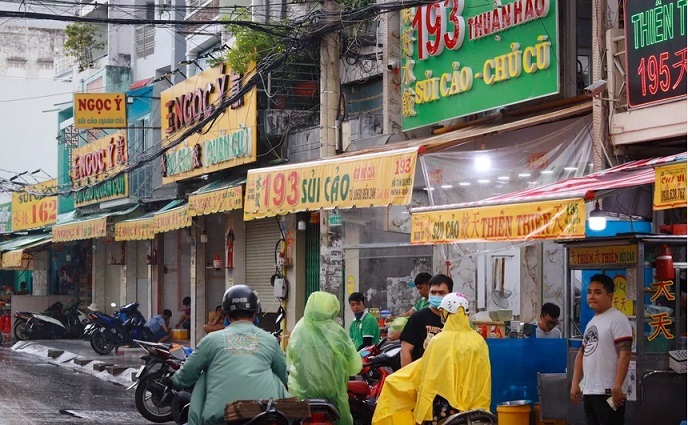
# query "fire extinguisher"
(230, 249)
(217, 263)
(664, 264)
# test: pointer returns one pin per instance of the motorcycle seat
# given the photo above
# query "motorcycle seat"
(359, 388)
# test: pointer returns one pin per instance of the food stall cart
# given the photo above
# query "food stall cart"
(650, 276)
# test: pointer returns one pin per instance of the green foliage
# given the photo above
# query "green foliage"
(250, 45)
(81, 42)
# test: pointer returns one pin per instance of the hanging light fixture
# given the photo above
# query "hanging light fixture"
(598, 218)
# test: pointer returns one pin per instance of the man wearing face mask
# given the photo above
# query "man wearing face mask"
(426, 323)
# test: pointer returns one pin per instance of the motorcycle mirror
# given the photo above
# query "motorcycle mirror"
(279, 318)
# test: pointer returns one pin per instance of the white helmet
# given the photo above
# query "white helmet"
(452, 302)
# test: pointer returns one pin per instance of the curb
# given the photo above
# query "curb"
(121, 375)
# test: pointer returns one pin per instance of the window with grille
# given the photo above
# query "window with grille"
(145, 40)
(140, 141)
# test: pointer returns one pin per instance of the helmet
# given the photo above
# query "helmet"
(452, 302)
(240, 298)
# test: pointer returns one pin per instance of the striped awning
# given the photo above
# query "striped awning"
(16, 256)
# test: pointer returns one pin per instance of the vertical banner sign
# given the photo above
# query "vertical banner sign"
(655, 50)
(6, 218)
(460, 57)
(33, 207)
(100, 110)
(98, 161)
(670, 187)
(228, 141)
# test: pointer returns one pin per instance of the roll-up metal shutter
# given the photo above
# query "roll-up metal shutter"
(261, 239)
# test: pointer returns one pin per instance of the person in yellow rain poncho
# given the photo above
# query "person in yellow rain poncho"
(452, 376)
(321, 357)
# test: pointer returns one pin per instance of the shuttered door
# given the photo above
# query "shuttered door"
(261, 239)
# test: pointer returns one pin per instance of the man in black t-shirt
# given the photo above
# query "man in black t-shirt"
(426, 323)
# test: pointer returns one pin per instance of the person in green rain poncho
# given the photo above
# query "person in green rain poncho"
(321, 357)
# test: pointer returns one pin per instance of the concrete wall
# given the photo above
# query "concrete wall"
(40, 272)
(29, 52)
(651, 123)
(113, 274)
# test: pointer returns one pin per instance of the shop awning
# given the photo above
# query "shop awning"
(366, 180)
(87, 227)
(553, 211)
(218, 196)
(18, 257)
(14, 255)
(173, 216)
(137, 229)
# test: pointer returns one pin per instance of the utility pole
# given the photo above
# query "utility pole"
(329, 101)
(329, 85)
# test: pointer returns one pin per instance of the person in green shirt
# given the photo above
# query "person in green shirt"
(422, 282)
(364, 330)
(240, 362)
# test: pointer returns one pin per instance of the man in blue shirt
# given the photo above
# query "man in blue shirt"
(159, 326)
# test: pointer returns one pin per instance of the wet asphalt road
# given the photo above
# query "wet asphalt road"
(32, 391)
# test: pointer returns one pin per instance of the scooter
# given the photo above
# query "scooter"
(311, 411)
(21, 317)
(154, 400)
(122, 329)
(43, 326)
(379, 361)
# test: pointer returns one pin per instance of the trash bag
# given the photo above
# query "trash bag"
(456, 366)
(320, 356)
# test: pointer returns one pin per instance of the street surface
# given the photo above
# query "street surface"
(32, 391)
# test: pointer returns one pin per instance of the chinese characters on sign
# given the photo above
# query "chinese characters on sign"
(228, 141)
(215, 201)
(655, 50)
(460, 57)
(604, 255)
(96, 162)
(660, 323)
(516, 222)
(135, 230)
(89, 229)
(33, 207)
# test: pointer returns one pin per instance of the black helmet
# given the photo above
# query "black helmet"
(240, 298)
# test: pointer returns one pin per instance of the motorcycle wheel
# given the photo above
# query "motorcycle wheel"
(148, 404)
(100, 343)
(20, 331)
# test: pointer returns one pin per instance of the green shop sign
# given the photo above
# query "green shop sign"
(105, 191)
(460, 57)
(6, 217)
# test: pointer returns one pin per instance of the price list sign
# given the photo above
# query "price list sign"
(655, 50)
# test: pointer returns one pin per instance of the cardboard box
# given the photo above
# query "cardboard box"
(180, 334)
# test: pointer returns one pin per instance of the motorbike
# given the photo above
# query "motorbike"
(312, 411)
(470, 417)
(68, 325)
(155, 401)
(21, 317)
(122, 329)
(379, 361)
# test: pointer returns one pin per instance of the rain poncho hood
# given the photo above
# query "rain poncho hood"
(320, 356)
(456, 366)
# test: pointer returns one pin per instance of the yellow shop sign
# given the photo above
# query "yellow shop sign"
(564, 219)
(100, 110)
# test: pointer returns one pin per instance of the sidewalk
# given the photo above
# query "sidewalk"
(118, 367)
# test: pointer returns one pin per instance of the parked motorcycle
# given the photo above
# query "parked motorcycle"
(312, 411)
(154, 400)
(379, 361)
(68, 325)
(21, 317)
(122, 329)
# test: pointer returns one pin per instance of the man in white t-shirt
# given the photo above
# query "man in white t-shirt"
(549, 319)
(602, 360)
